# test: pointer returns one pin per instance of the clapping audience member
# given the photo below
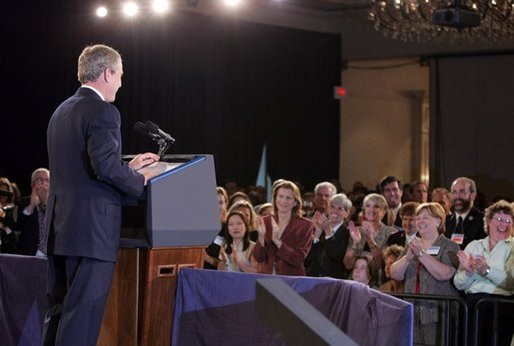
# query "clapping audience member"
(483, 269)
(408, 231)
(323, 192)
(236, 253)
(333, 239)
(427, 265)
(31, 215)
(284, 237)
(391, 254)
(370, 238)
(364, 271)
(246, 209)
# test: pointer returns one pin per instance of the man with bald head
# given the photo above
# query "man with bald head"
(466, 222)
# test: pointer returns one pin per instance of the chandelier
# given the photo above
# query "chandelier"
(414, 20)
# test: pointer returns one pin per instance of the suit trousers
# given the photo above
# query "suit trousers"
(77, 292)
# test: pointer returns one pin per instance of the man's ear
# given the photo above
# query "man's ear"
(106, 75)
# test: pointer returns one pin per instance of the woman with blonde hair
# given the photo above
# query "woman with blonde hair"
(284, 237)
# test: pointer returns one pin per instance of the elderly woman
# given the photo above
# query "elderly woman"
(284, 237)
(483, 269)
(427, 265)
(370, 238)
(330, 239)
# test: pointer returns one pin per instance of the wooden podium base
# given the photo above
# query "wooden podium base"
(140, 307)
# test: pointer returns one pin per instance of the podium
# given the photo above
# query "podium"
(162, 234)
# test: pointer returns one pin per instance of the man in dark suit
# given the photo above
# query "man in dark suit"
(30, 221)
(392, 189)
(467, 222)
(83, 216)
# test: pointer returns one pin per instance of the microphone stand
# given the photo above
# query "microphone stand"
(164, 145)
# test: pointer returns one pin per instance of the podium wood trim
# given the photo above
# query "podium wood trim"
(141, 302)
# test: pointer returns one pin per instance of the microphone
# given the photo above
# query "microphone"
(155, 130)
(145, 131)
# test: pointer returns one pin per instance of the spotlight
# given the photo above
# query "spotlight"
(160, 6)
(130, 9)
(232, 2)
(101, 11)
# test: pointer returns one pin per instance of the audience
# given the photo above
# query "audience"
(419, 255)
(391, 254)
(364, 271)
(246, 209)
(284, 237)
(427, 265)
(31, 215)
(482, 268)
(467, 222)
(444, 198)
(391, 188)
(419, 191)
(7, 235)
(236, 252)
(331, 247)
(370, 238)
(408, 215)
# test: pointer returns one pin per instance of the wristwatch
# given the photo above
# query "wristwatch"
(487, 271)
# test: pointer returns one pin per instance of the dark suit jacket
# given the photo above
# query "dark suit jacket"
(473, 226)
(28, 226)
(333, 253)
(296, 242)
(83, 216)
(397, 238)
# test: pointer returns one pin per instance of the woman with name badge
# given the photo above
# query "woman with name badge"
(428, 264)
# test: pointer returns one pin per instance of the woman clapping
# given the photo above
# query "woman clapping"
(284, 237)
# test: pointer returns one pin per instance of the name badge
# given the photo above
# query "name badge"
(433, 250)
(458, 238)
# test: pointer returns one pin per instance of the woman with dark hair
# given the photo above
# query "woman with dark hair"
(284, 237)
(246, 209)
(236, 253)
(364, 271)
(427, 265)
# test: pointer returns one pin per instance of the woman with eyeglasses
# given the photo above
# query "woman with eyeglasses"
(482, 272)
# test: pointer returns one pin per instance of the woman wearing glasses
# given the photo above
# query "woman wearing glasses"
(482, 270)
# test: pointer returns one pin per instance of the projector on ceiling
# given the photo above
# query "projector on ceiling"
(456, 16)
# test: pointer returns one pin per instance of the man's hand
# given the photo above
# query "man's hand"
(143, 160)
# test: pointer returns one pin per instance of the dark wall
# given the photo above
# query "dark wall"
(218, 86)
(472, 122)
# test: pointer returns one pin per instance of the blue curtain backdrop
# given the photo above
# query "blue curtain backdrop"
(218, 85)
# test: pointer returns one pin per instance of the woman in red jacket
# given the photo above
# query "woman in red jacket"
(285, 237)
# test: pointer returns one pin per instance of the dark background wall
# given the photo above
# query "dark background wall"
(219, 86)
(472, 122)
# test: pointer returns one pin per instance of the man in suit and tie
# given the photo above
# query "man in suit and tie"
(467, 222)
(392, 189)
(83, 216)
(30, 220)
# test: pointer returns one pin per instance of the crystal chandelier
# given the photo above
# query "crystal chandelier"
(412, 20)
